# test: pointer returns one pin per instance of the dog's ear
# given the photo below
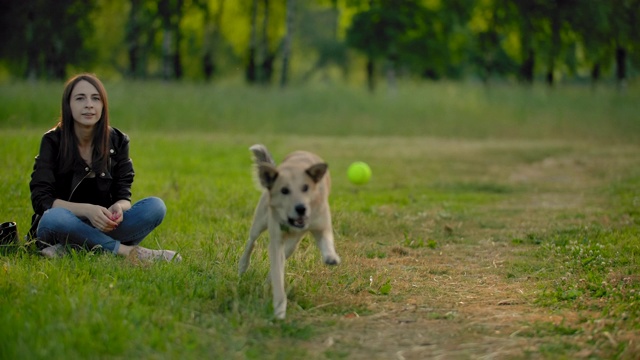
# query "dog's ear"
(267, 174)
(317, 171)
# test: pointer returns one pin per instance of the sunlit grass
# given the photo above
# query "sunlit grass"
(443, 158)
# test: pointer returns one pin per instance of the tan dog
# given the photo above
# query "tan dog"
(295, 200)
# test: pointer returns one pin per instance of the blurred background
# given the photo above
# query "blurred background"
(364, 42)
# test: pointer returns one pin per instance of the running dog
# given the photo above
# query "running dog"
(294, 201)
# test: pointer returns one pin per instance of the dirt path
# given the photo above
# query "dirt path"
(472, 311)
(461, 301)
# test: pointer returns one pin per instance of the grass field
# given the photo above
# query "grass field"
(499, 223)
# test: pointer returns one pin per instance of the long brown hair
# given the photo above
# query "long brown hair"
(69, 143)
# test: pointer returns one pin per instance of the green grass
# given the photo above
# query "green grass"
(592, 270)
(594, 262)
(447, 110)
(442, 156)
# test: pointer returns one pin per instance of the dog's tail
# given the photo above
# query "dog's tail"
(261, 154)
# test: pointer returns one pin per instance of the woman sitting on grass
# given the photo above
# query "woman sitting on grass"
(81, 182)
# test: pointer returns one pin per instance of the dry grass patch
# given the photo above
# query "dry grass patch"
(473, 287)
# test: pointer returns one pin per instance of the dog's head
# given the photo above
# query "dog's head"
(294, 191)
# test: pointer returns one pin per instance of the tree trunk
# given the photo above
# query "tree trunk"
(266, 55)
(55, 60)
(621, 66)
(555, 45)
(171, 14)
(133, 40)
(251, 65)
(595, 74)
(211, 38)
(286, 51)
(208, 66)
(526, 70)
(32, 48)
(371, 74)
(527, 67)
(166, 54)
(177, 58)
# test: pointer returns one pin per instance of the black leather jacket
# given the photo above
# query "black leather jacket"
(48, 183)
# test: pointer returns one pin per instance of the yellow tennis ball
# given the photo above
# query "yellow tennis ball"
(359, 173)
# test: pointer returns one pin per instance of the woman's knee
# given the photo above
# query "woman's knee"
(154, 207)
(55, 220)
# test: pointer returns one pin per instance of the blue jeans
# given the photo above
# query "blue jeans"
(59, 225)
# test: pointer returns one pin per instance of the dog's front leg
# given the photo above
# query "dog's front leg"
(324, 240)
(277, 258)
(259, 224)
(256, 229)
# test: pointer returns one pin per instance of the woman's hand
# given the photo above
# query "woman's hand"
(101, 218)
(116, 212)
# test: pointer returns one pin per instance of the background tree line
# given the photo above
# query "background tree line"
(276, 42)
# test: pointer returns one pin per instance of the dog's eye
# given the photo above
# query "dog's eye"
(305, 188)
(285, 191)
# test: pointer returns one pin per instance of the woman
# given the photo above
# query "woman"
(81, 182)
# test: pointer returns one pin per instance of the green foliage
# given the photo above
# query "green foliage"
(380, 31)
(44, 49)
(218, 39)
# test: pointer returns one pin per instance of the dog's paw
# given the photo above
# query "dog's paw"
(332, 260)
(279, 316)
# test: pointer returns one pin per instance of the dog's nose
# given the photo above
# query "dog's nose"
(301, 209)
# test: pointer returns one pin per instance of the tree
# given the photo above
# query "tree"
(47, 36)
(422, 38)
(287, 44)
(212, 23)
(170, 12)
(319, 31)
(267, 55)
(261, 56)
(592, 26)
(388, 30)
(488, 54)
(625, 26)
(251, 72)
(139, 37)
(526, 15)
(545, 31)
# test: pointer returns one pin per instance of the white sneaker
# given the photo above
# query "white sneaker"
(54, 251)
(141, 253)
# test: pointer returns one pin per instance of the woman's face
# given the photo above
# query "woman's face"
(86, 104)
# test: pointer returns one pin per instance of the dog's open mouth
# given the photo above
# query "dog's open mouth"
(299, 222)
